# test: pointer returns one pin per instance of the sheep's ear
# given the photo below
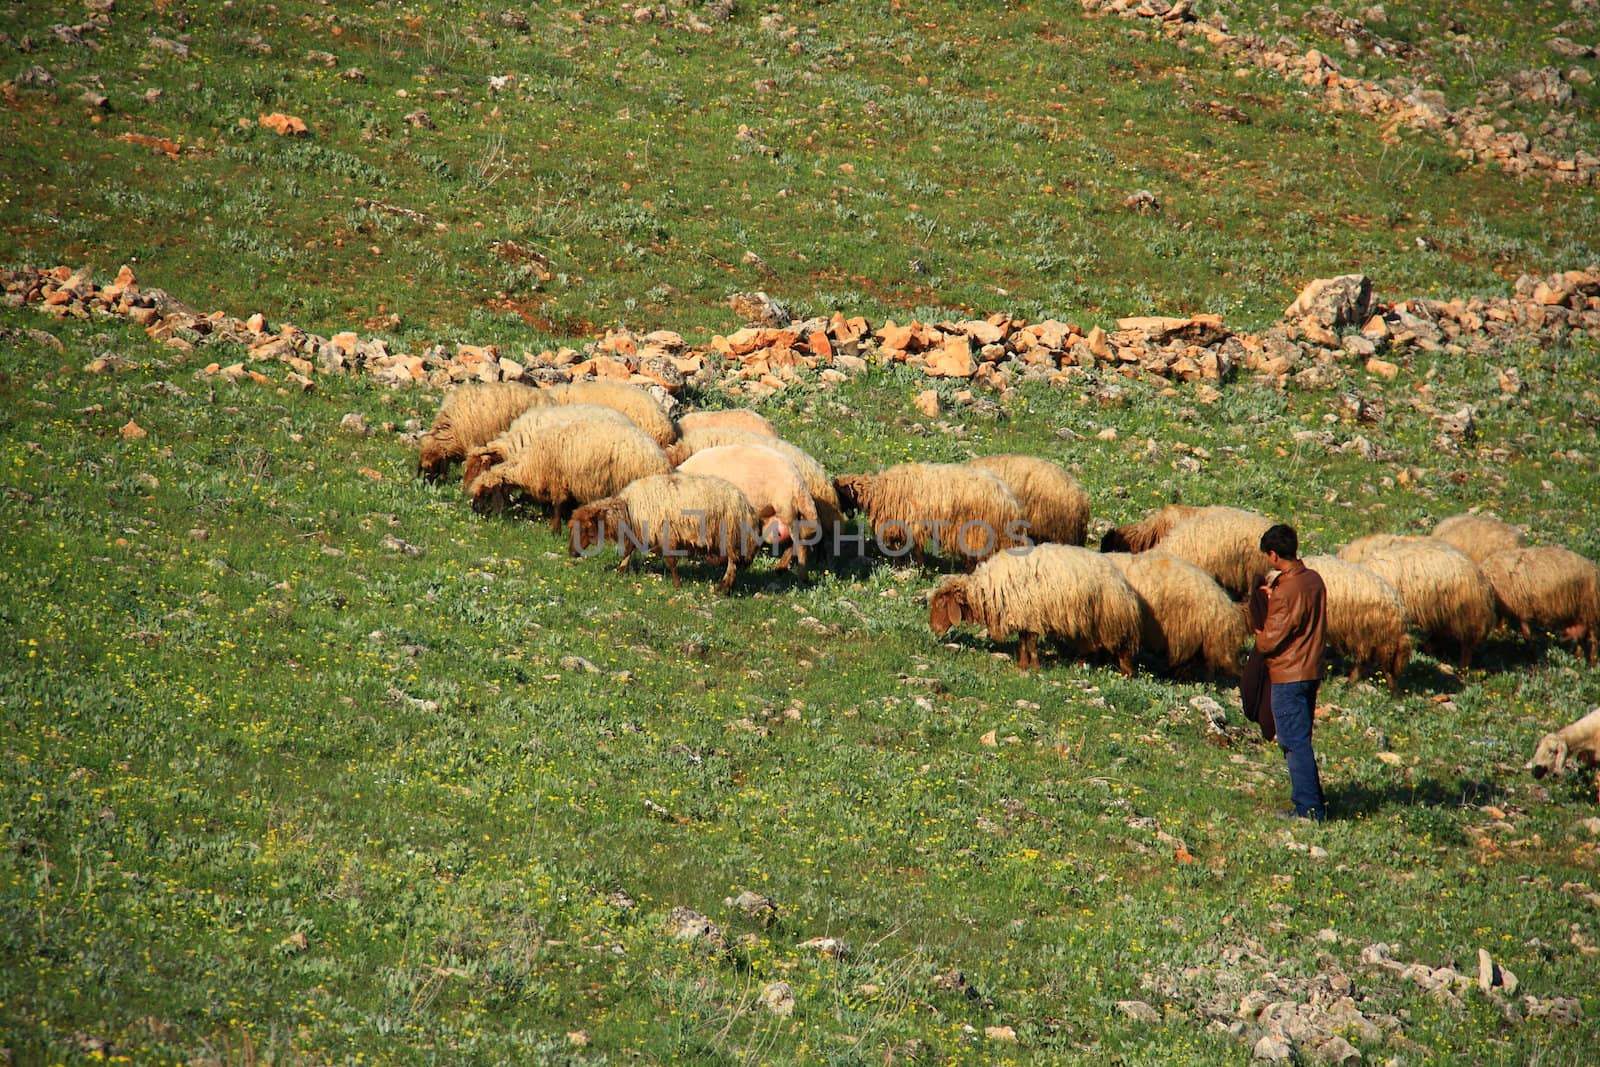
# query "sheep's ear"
(940, 614)
(1559, 766)
(767, 512)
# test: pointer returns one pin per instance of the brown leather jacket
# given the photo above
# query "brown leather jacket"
(1292, 636)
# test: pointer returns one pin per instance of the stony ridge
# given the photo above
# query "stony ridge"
(1472, 132)
(1335, 327)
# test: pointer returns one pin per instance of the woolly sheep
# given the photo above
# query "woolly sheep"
(1549, 587)
(730, 419)
(1055, 505)
(1072, 594)
(631, 400)
(1577, 741)
(1145, 534)
(1478, 535)
(526, 426)
(829, 512)
(954, 507)
(1184, 614)
(766, 477)
(1366, 619)
(1362, 548)
(1445, 594)
(570, 465)
(671, 515)
(1225, 543)
(470, 416)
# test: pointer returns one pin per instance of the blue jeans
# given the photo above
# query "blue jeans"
(1292, 705)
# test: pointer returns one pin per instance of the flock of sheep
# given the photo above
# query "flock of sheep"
(721, 484)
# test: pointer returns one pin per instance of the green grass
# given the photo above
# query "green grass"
(274, 789)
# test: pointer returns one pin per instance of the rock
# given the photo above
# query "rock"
(1000, 1033)
(686, 924)
(953, 359)
(1333, 302)
(778, 998)
(284, 125)
(1142, 201)
(132, 431)
(831, 947)
(1336, 1050)
(927, 402)
(1382, 368)
(763, 909)
(578, 663)
(759, 309)
(1462, 425)
(356, 423)
(1273, 1049)
(1138, 1011)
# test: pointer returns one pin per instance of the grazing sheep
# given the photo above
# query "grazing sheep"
(729, 419)
(570, 465)
(1361, 548)
(1577, 741)
(829, 513)
(1184, 614)
(1552, 588)
(1225, 543)
(632, 401)
(1072, 594)
(1478, 535)
(947, 505)
(1366, 619)
(472, 415)
(528, 425)
(766, 477)
(1145, 534)
(1445, 595)
(1055, 505)
(673, 515)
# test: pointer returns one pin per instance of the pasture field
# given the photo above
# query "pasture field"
(302, 762)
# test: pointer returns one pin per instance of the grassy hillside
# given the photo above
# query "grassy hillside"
(303, 762)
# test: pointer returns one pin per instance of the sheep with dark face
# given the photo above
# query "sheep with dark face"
(1071, 594)
(1145, 534)
(1551, 588)
(672, 515)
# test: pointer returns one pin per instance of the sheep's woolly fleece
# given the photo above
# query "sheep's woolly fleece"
(1055, 505)
(571, 464)
(1548, 587)
(1225, 543)
(1366, 619)
(964, 510)
(768, 479)
(640, 407)
(1184, 614)
(820, 486)
(520, 435)
(1478, 535)
(1444, 593)
(727, 419)
(1072, 594)
(470, 417)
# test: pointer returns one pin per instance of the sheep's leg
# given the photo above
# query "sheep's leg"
(1027, 651)
(1125, 662)
(672, 568)
(729, 575)
(1466, 655)
(556, 517)
(627, 556)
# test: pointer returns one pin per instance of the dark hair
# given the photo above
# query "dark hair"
(1282, 540)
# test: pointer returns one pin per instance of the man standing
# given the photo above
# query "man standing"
(1291, 639)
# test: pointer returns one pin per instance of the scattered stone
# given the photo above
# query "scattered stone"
(578, 663)
(284, 125)
(132, 431)
(1138, 1011)
(1334, 302)
(1273, 1049)
(686, 924)
(759, 309)
(1142, 202)
(761, 908)
(831, 947)
(778, 998)
(927, 402)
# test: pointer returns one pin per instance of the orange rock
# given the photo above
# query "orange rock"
(951, 360)
(819, 345)
(927, 402)
(284, 125)
(132, 431)
(606, 367)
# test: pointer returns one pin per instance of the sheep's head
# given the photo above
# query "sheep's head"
(490, 493)
(431, 461)
(947, 607)
(1115, 540)
(589, 524)
(1402, 656)
(1550, 757)
(852, 490)
(478, 461)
